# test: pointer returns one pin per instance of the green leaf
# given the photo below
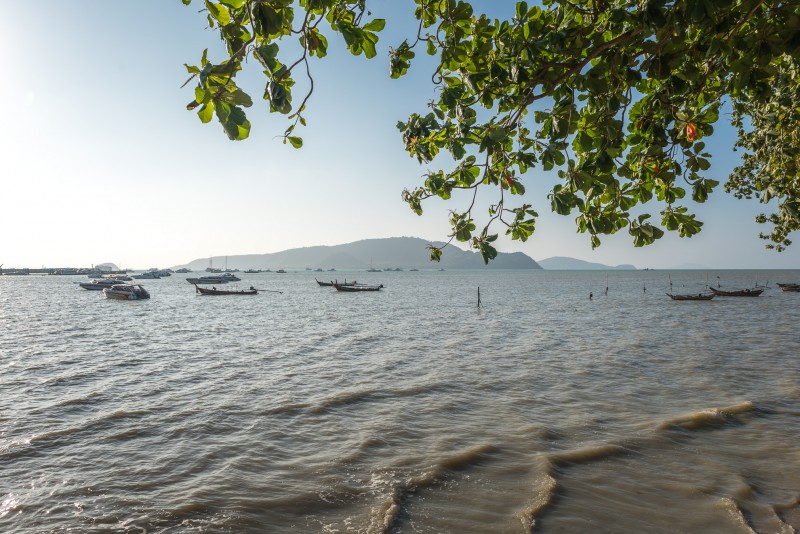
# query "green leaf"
(375, 25)
(296, 142)
(233, 120)
(205, 113)
(488, 252)
(219, 12)
(239, 98)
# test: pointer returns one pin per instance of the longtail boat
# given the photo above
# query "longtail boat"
(737, 293)
(793, 286)
(333, 283)
(698, 296)
(357, 288)
(215, 291)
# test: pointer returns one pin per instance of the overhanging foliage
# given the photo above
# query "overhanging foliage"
(616, 96)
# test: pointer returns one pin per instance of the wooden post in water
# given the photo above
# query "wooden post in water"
(479, 296)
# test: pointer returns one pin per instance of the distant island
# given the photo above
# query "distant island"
(560, 263)
(402, 253)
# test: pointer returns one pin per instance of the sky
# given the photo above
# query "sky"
(101, 162)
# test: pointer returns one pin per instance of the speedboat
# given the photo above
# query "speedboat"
(147, 275)
(222, 279)
(126, 292)
(98, 285)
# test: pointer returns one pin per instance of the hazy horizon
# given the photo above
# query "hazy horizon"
(220, 261)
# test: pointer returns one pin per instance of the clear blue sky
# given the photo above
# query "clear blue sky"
(101, 161)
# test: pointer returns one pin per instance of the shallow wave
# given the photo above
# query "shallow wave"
(349, 398)
(746, 505)
(85, 400)
(732, 508)
(546, 486)
(58, 436)
(740, 505)
(709, 418)
(387, 515)
(544, 492)
(587, 454)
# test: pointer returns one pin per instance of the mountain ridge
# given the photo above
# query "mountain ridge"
(383, 253)
(563, 263)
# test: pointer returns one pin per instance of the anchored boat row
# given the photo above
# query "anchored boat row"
(350, 287)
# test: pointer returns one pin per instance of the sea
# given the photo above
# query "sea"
(406, 410)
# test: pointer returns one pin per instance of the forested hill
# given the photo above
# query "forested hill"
(390, 253)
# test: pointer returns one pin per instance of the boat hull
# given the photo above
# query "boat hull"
(121, 292)
(737, 293)
(219, 292)
(356, 288)
(699, 296)
(331, 284)
(97, 286)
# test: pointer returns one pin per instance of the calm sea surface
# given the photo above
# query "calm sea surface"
(405, 410)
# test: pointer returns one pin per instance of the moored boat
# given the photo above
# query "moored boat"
(99, 285)
(215, 291)
(223, 279)
(357, 288)
(118, 277)
(126, 292)
(333, 283)
(698, 296)
(790, 287)
(737, 292)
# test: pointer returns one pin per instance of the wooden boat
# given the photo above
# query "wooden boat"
(737, 293)
(332, 283)
(791, 288)
(698, 296)
(215, 291)
(357, 288)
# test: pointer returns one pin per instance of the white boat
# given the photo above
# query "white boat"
(118, 277)
(126, 292)
(98, 285)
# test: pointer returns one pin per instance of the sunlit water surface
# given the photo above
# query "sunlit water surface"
(405, 410)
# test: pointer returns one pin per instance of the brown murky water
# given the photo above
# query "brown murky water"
(407, 410)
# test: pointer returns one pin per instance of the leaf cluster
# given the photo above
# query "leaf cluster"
(256, 28)
(616, 97)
